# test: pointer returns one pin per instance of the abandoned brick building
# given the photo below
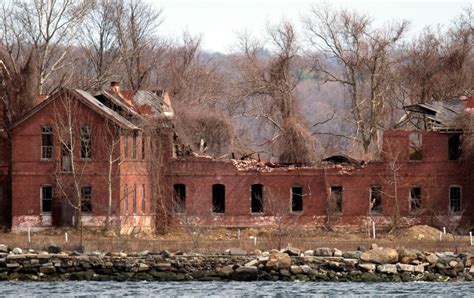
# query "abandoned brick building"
(97, 148)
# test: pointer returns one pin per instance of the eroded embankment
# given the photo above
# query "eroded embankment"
(321, 264)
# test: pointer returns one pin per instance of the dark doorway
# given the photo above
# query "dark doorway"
(336, 197)
(415, 198)
(297, 199)
(376, 199)
(218, 198)
(257, 198)
(180, 197)
(454, 146)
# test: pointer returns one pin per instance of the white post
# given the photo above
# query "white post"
(238, 234)
(470, 236)
(66, 237)
(373, 229)
(73, 220)
(444, 230)
(29, 234)
(440, 236)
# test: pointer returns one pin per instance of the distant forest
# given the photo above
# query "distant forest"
(293, 97)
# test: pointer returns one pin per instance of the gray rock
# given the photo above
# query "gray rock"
(419, 268)
(380, 256)
(306, 269)
(251, 263)
(3, 248)
(323, 252)
(47, 269)
(235, 251)
(17, 251)
(13, 265)
(337, 252)
(292, 251)
(285, 272)
(352, 254)
(367, 266)
(143, 253)
(295, 269)
(226, 270)
(406, 267)
(387, 268)
(143, 267)
(53, 249)
(432, 259)
(164, 266)
(279, 260)
(309, 253)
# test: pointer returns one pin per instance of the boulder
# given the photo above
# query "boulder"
(452, 263)
(226, 270)
(246, 273)
(252, 263)
(279, 260)
(235, 251)
(323, 252)
(143, 253)
(17, 251)
(3, 248)
(407, 256)
(387, 268)
(292, 251)
(143, 267)
(352, 254)
(380, 256)
(309, 253)
(295, 269)
(406, 267)
(367, 266)
(53, 249)
(337, 253)
(432, 259)
(306, 269)
(419, 268)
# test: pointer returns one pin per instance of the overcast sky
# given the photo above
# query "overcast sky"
(219, 20)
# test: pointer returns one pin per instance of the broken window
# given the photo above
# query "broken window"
(46, 198)
(86, 141)
(257, 198)
(415, 146)
(376, 199)
(143, 147)
(336, 198)
(125, 147)
(455, 199)
(297, 199)
(143, 199)
(180, 197)
(86, 199)
(66, 162)
(454, 147)
(46, 142)
(415, 198)
(218, 198)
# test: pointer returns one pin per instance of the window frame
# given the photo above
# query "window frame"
(50, 147)
(83, 199)
(42, 199)
(260, 210)
(292, 196)
(379, 189)
(84, 144)
(179, 197)
(450, 199)
(217, 199)
(339, 207)
(410, 199)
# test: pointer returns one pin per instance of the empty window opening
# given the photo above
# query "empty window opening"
(454, 147)
(143, 147)
(125, 147)
(86, 141)
(66, 163)
(143, 199)
(257, 198)
(297, 199)
(46, 142)
(336, 198)
(180, 197)
(86, 199)
(415, 198)
(376, 199)
(455, 199)
(46, 198)
(218, 198)
(134, 199)
(415, 146)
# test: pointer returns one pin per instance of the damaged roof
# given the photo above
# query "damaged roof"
(86, 99)
(441, 114)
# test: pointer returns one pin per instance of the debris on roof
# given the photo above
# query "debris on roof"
(342, 159)
(441, 115)
(253, 165)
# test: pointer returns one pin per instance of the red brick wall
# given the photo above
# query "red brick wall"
(434, 174)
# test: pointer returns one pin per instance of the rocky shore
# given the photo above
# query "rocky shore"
(320, 264)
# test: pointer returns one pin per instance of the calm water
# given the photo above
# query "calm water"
(229, 289)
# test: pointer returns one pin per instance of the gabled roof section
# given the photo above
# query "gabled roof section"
(442, 115)
(87, 100)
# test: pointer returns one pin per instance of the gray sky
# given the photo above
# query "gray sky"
(219, 20)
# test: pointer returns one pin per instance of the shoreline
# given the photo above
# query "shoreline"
(322, 264)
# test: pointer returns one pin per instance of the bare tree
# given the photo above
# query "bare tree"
(269, 85)
(349, 51)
